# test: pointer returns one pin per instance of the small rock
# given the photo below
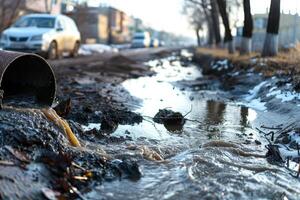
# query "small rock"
(257, 142)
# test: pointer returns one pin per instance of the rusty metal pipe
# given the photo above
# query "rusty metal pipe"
(26, 78)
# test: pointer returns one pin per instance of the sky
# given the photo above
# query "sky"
(167, 14)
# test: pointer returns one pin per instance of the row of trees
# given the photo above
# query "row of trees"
(206, 15)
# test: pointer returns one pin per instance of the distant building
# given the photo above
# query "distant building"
(289, 30)
(92, 24)
(41, 6)
(102, 24)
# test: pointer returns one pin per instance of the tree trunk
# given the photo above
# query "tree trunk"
(198, 37)
(215, 21)
(246, 45)
(271, 40)
(231, 46)
(228, 37)
(211, 33)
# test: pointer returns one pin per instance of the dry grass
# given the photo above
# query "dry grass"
(285, 63)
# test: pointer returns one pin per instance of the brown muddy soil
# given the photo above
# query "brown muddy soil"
(93, 84)
(214, 150)
(37, 161)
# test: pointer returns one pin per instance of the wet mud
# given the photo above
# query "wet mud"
(152, 125)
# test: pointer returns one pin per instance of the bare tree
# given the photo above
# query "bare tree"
(271, 41)
(196, 17)
(208, 15)
(198, 24)
(9, 10)
(215, 21)
(246, 45)
(228, 36)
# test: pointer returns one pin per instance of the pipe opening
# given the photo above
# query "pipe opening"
(28, 81)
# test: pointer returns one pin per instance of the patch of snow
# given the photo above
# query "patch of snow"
(284, 96)
(91, 126)
(253, 101)
(89, 49)
(220, 65)
(286, 152)
(253, 93)
(236, 74)
(253, 60)
(273, 93)
(257, 104)
(272, 89)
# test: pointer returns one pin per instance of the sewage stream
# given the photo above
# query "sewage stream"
(218, 154)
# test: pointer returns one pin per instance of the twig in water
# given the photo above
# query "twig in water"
(153, 125)
(271, 128)
(189, 111)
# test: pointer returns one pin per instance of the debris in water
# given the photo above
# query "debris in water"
(285, 147)
(126, 168)
(53, 116)
(150, 154)
(109, 125)
(173, 121)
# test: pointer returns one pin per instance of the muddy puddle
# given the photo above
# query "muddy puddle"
(216, 154)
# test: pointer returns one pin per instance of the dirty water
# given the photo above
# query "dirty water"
(218, 153)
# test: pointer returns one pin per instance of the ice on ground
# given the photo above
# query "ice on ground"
(89, 49)
(284, 96)
(256, 104)
(91, 126)
(220, 65)
(289, 153)
(251, 99)
(253, 93)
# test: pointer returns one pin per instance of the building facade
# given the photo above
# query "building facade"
(102, 24)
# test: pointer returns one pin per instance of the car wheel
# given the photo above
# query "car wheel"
(74, 53)
(52, 51)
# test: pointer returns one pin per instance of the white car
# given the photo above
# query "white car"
(45, 34)
(141, 40)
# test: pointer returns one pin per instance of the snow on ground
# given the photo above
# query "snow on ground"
(286, 151)
(221, 65)
(252, 99)
(253, 93)
(89, 49)
(284, 96)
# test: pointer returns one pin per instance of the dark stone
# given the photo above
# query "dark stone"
(173, 121)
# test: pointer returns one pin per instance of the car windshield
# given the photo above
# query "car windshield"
(139, 37)
(40, 22)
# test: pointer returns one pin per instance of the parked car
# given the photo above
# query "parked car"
(44, 34)
(141, 40)
(154, 43)
(161, 43)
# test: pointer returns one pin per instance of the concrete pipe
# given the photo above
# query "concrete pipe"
(26, 80)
